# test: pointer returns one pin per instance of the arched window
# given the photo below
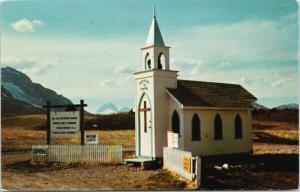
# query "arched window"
(161, 61)
(218, 127)
(238, 127)
(147, 62)
(175, 122)
(196, 128)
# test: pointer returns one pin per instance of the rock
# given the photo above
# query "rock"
(218, 168)
(252, 166)
(225, 166)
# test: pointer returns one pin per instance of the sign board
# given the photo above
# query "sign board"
(144, 84)
(172, 139)
(91, 137)
(64, 123)
(39, 150)
(175, 140)
(186, 164)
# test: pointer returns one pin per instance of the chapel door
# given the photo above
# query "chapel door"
(145, 127)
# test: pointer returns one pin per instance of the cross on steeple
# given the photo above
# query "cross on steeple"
(145, 109)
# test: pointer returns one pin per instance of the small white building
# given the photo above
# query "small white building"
(210, 118)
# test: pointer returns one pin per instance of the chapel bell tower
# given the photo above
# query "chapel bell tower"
(151, 99)
(155, 54)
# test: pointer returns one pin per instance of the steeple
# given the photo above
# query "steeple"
(155, 53)
(154, 35)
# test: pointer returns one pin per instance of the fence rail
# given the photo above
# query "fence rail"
(78, 153)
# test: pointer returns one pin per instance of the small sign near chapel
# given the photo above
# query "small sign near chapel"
(186, 164)
(172, 139)
(91, 137)
(39, 150)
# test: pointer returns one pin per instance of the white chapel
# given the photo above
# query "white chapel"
(210, 118)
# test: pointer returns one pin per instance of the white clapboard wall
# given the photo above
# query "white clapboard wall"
(79, 153)
(173, 160)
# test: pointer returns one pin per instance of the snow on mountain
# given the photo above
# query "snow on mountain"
(109, 108)
(19, 94)
(288, 106)
(20, 86)
(11, 106)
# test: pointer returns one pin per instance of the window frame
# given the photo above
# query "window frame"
(238, 127)
(218, 122)
(172, 122)
(196, 118)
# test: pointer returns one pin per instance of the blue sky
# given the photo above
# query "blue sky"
(89, 49)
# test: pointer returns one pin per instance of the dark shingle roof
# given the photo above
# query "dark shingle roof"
(210, 94)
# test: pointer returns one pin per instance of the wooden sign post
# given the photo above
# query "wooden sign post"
(67, 122)
(48, 123)
(81, 122)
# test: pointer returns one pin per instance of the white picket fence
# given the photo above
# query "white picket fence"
(78, 153)
(173, 160)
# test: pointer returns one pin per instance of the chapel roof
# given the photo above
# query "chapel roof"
(154, 35)
(211, 94)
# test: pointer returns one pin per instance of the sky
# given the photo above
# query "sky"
(90, 49)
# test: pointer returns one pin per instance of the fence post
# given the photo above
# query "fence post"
(48, 123)
(82, 121)
(198, 172)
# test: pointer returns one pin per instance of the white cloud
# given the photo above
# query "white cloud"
(98, 68)
(188, 66)
(242, 80)
(279, 83)
(25, 25)
(125, 69)
(102, 68)
(32, 66)
(19, 62)
(254, 53)
(245, 41)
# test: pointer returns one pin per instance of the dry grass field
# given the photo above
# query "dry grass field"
(273, 165)
(21, 132)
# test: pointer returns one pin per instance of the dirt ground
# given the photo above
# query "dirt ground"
(273, 165)
(20, 133)
(18, 173)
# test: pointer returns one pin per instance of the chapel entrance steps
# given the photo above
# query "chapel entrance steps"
(145, 162)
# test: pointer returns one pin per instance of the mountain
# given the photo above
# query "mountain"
(288, 106)
(22, 88)
(12, 106)
(22, 96)
(107, 108)
(259, 106)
